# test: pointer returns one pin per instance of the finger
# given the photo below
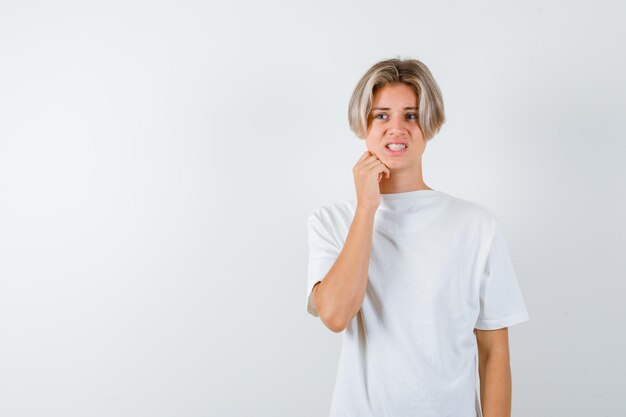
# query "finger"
(372, 163)
(383, 170)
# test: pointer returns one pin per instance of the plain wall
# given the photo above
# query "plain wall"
(158, 161)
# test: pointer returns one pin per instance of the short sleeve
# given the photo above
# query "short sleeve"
(323, 251)
(501, 300)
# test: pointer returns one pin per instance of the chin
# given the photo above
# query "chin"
(406, 162)
(394, 160)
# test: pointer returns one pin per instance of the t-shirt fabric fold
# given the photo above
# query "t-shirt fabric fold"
(439, 268)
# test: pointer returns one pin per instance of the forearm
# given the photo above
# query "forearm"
(495, 384)
(340, 294)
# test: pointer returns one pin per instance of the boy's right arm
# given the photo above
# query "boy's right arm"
(339, 296)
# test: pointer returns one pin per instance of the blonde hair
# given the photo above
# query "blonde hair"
(430, 113)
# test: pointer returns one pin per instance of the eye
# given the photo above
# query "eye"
(412, 114)
(379, 114)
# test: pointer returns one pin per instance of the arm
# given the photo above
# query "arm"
(495, 372)
(339, 296)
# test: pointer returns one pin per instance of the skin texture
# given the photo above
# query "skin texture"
(339, 296)
(495, 372)
(396, 122)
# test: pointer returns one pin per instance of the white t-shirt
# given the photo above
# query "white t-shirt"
(439, 267)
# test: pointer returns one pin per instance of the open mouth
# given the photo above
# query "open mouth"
(396, 149)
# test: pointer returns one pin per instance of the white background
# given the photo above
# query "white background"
(158, 161)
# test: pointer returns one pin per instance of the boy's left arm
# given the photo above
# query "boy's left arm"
(494, 371)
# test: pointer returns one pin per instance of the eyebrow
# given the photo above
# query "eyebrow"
(388, 108)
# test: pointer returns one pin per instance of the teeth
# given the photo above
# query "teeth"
(396, 146)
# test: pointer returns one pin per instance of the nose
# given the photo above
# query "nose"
(397, 126)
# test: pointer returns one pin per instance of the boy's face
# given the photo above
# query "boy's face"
(394, 118)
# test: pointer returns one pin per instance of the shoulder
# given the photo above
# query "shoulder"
(333, 213)
(472, 212)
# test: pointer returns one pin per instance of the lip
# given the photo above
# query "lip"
(405, 143)
(400, 152)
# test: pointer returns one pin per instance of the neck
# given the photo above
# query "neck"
(401, 181)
